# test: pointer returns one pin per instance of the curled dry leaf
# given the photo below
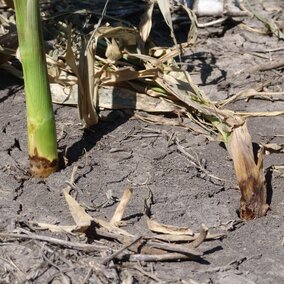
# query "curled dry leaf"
(250, 176)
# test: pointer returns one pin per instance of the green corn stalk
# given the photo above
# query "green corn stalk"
(42, 142)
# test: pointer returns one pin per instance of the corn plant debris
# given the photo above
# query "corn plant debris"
(168, 82)
(153, 248)
(173, 96)
(250, 176)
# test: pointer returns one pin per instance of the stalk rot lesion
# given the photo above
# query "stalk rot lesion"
(250, 175)
(42, 167)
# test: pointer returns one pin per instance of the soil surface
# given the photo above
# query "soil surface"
(122, 151)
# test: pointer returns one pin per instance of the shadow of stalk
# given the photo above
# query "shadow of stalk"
(93, 134)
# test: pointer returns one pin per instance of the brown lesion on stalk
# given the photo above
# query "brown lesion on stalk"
(42, 167)
(254, 194)
(250, 175)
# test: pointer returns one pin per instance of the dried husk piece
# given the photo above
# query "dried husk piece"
(250, 175)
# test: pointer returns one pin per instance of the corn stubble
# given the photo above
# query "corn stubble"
(250, 175)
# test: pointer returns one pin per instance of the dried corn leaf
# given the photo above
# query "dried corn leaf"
(154, 226)
(251, 93)
(118, 214)
(128, 36)
(186, 238)
(114, 98)
(110, 77)
(259, 113)
(269, 23)
(81, 218)
(250, 176)
(145, 25)
(113, 52)
(111, 228)
(146, 58)
(69, 55)
(193, 32)
(164, 6)
(60, 73)
(56, 228)
(274, 148)
(86, 91)
(185, 92)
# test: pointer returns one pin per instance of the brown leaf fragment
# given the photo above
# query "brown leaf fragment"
(250, 176)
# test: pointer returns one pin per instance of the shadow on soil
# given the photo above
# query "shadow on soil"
(207, 63)
(93, 134)
(11, 83)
